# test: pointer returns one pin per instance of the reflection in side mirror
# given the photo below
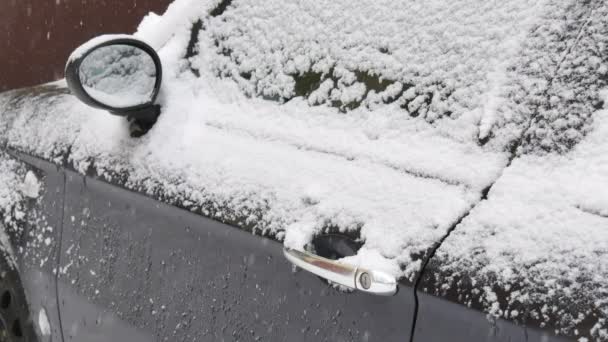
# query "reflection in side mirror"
(119, 74)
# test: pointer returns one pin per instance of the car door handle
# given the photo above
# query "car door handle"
(375, 282)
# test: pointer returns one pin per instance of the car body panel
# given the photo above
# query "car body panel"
(440, 320)
(175, 275)
(133, 266)
(37, 247)
(119, 308)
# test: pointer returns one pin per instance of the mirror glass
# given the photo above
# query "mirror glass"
(118, 76)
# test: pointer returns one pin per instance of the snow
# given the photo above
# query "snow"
(542, 231)
(407, 117)
(43, 323)
(158, 30)
(31, 185)
(446, 60)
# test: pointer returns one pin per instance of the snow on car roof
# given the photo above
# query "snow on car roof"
(388, 118)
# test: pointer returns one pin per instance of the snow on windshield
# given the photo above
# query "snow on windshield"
(542, 235)
(443, 63)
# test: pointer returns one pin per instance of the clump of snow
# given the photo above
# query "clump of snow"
(31, 185)
(158, 30)
(43, 323)
(281, 168)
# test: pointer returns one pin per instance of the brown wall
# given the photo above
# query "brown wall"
(37, 36)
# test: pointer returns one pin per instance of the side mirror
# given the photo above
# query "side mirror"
(120, 74)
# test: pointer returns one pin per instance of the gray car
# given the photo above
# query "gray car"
(315, 171)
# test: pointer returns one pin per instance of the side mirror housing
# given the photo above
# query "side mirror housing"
(120, 74)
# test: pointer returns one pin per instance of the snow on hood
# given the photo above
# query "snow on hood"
(389, 118)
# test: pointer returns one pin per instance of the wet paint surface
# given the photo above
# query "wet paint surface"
(134, 266)
(37, 246)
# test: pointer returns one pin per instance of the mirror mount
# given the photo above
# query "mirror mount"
(122, 54)
(141, 120)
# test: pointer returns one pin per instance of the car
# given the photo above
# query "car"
(315, 170)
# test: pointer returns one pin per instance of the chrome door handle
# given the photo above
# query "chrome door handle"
(375, 282)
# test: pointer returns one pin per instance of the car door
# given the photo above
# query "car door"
(136, 268)
(37, 241)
